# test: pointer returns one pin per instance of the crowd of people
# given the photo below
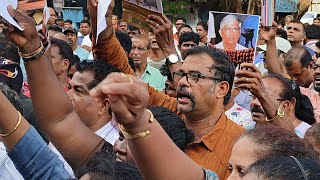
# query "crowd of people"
(154, 104)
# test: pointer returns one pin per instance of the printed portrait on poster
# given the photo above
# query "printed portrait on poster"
(236, 34)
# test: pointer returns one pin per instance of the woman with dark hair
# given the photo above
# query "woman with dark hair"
(290, 90)
(283, 168)
(172, 125)
(277, 100)
(265, 141)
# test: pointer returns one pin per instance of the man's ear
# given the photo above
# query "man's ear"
(222, 89)
(104, 108)
(66, 64)
(179, 47)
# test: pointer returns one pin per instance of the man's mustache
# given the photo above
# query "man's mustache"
(257, 109)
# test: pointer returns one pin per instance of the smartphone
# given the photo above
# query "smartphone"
(267, 12)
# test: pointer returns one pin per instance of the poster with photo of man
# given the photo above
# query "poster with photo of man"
(135, 12)
(236, 34)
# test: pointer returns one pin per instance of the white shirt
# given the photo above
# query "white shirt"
(301, 129)
(238, 47)
(7, 168)
(240, 116)
(109, 132)
(156, 64)
(86, 41)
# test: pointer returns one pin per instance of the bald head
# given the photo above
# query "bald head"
(298, 66)
(299, 53)
(61, 36)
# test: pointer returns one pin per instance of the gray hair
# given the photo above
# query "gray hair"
(229, 19)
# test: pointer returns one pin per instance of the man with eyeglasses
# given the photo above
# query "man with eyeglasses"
(139, 53)
(230, 32)
(203, 88)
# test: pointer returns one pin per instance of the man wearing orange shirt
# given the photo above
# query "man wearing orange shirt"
(202, 91)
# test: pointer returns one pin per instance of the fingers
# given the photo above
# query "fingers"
(93, 3)
(248, 86)
(165, 18)
(15, 14)
(120, 84)
(274, 24)
(250, 66)
(110, 8)
(157, 19)
(156, 27)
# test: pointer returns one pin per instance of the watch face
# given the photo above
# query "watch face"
(173, 58)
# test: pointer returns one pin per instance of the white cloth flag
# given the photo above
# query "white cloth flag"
(46, 13)
(5, 14)
(211, 33)
(101, 19)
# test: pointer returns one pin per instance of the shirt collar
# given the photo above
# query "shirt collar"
(148, 69)
(210, 140)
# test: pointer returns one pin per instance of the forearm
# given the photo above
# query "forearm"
(153, 164)
(34, 160)
(109, 49)
(47, 92)
(56, 115)
(8, 121)
(272, 59)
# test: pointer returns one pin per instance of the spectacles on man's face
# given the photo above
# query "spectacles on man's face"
(191, 76)
(228, 30)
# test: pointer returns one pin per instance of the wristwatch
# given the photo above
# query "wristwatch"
(172, 59)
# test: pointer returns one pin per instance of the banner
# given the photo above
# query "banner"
(135, 12)
(286, 6)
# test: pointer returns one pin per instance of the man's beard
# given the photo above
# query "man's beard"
(183, 93)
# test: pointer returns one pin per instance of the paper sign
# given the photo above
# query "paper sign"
(101, 16)
(5, 14)
(235, 34)
(136, 14)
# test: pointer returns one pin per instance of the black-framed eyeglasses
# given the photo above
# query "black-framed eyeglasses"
(191, 76)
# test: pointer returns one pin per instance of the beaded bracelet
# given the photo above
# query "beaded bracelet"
(140, 134)
(15, 128)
